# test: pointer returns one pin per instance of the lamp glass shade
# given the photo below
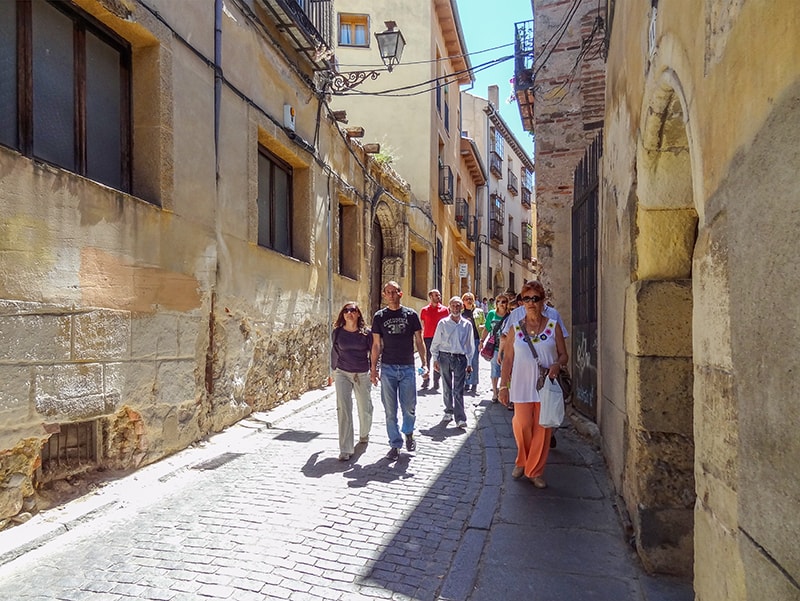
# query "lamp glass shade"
(390, 44)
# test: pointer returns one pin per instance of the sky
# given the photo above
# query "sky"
(488, 28)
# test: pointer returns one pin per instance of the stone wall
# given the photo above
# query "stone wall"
(698, 222)
(567, 116)
(134, 324)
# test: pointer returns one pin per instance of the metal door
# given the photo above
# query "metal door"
(584, 279)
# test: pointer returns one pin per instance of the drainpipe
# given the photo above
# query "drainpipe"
(217, 78)
(329, 227)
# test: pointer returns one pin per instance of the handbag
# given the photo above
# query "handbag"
(490, 346)
(563, 378)
(487, 352)
(551, 405)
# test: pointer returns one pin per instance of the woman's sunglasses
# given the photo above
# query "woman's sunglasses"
(531, 299)
(349, 310)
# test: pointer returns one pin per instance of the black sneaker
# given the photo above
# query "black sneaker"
(411, 444)
(393, 454)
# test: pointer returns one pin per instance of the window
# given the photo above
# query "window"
(446, 116)
(65, 90)
(353, 30)
(274, 203)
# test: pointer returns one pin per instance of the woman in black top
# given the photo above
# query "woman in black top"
(350, 360)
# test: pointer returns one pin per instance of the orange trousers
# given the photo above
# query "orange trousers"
(533, 441)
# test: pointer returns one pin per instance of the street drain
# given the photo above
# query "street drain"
(212, 464)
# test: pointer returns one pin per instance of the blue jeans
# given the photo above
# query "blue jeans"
(454, 372)
(472, 379)
(399, 386)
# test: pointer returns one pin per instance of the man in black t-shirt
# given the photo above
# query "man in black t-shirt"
(396, 331)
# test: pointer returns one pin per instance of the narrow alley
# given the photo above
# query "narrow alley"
(265, 510)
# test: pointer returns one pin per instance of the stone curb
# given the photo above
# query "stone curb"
(53, 522)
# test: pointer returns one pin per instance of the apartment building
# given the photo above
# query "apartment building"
(506, 218)
(413, 113)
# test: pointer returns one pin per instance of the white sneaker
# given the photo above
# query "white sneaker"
(447, 418)
(462, 424)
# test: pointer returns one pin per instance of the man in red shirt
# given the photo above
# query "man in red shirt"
(431, 315)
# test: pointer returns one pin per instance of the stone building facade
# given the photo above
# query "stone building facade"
(563, 95)
(414, 113)
(177, 263)
(506, 218)
(698, 247)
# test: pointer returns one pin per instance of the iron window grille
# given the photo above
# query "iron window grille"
(462, 213)
(512, 184)
(446, 184)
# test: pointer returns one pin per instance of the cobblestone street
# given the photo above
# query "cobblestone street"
(271, 513)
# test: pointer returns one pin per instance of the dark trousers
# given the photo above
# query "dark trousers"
(454, 372)
(436, 375)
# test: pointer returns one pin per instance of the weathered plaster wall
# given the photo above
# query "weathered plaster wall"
(739, 68)
(156, 316)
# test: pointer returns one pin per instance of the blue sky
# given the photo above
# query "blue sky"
(486, 28)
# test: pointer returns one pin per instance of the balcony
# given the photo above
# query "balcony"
(513, 244)
(446, 185)
(473, 229)
(496, 230)
(462, 213)
(526, 251)
(525, 199)
(307, 25)
(513, 186)
(496, 164)
(523, 72)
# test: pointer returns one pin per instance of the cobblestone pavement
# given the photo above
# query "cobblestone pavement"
(271, 513)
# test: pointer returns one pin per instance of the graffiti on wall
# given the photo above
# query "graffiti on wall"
(585, 377)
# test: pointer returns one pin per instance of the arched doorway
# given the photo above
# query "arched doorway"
(659, 473)
(387, 249)
(376, 274)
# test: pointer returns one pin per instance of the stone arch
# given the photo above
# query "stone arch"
(387, 249)
(658, 483)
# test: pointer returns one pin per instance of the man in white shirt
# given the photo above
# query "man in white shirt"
(452, 350)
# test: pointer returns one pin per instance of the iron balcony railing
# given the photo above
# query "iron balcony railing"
(525, 198)
(309, 26)
(526, 252)
(523, 72)
(496, 164)
(462, 213)
(446, 184)
(512, 185)
(496, 230)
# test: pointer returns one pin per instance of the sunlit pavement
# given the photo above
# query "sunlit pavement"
(266, 510)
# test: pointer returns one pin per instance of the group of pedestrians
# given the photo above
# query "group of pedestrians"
(528, 341)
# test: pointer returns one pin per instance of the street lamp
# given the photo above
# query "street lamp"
(390, 44)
